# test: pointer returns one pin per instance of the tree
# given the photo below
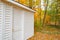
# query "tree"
(58, 12)
(30, 3)
(46, 2)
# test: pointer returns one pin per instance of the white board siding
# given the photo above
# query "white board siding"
(23, 24)
(28, 24)
(17, 19)
(5, 22)
(18, 24)
(1, 20)
(21, 19)
(8, 22)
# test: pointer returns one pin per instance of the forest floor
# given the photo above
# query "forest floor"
(43, 36)
(46, 33)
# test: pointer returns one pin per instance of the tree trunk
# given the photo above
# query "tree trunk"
(30, 3)
(43, 25)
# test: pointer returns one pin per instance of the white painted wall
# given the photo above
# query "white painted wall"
(16, 23)
(5, 21)
(8, 11)
(28, 24)
(23, 24)
(1, 18)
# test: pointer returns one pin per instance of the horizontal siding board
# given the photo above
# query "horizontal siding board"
(8, 22)
(1, 20)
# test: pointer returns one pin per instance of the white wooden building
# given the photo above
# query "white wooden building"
(16, 21)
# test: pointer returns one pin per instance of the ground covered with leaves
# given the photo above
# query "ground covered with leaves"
(46, 33)
(44, 36)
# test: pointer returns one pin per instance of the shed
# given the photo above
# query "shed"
(16, 21)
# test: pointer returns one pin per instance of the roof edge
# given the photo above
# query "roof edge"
(20, 5)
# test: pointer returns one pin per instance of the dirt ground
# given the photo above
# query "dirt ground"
(44, 36)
